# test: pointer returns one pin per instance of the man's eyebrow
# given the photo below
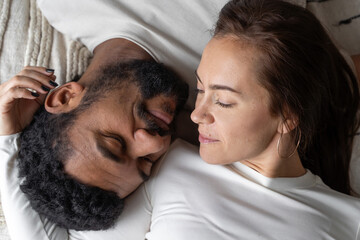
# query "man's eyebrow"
(217, 86)
(106, 152)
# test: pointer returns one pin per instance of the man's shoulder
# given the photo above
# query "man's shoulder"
(181, 153)
(9, 141)
(181, 148)
(183, 165)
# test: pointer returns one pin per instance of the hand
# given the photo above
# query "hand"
(19, 101)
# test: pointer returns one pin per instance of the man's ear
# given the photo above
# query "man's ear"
(64, 98)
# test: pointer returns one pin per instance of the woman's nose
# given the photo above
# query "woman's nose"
(201, 114)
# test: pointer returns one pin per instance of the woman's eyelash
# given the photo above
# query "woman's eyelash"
(224, 105)
(197, 91)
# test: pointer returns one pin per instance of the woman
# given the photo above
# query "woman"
(276, 100)
(275, 91)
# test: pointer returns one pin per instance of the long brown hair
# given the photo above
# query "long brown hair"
(305, 75)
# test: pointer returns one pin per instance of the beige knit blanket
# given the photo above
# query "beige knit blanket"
(26, 38)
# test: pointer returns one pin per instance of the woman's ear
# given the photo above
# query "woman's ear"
(289, 121)
(287, 126)
(64, 98)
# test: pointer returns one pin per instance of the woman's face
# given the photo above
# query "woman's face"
(232, 109)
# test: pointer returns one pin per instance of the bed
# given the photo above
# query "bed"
(26, 38)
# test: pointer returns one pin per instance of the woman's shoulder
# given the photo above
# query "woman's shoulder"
(323, 197)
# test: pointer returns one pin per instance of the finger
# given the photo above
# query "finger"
(7, 102)
(39, 74)
(43, 79)
(27, 82)
(44, 75)
(53, 77)
(40, 98)
(16, 93)
(43, 70)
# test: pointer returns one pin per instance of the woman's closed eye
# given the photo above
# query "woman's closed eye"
(223, 105)
(198, 91)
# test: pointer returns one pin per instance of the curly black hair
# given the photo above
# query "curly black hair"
(45, 146)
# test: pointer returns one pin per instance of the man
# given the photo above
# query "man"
(160, 45)
(104, 131)
(111, 49)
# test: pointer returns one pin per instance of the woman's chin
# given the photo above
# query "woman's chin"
(209, 156)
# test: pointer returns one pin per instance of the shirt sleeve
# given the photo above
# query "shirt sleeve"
(22, 221)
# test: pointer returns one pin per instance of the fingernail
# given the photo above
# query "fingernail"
(52, 83)
(35, 94)
(49, 70)
(45, 88)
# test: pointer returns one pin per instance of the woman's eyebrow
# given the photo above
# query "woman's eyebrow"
(223, 87)
(217, 86)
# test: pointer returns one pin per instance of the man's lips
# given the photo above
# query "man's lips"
(162, 116)
(205, 139)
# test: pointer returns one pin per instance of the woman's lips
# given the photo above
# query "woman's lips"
(204, 139)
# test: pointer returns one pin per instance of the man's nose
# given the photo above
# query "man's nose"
(147, 143)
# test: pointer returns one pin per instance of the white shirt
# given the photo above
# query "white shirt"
(187, 198)
(190, 199)
(22, 221)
